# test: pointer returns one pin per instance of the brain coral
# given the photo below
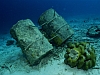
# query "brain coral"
(80, 55)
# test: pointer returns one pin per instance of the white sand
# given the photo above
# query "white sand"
(12, 61)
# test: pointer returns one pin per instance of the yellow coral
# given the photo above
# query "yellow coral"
(57, 40)
(80, 54)
(70, 45)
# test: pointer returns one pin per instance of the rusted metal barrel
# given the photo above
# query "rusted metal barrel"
(33, 44)
(55, 26)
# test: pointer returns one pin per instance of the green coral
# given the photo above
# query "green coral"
(81, 61)
(71, 45)
(56, 39)
(80, 55)
(73, 57)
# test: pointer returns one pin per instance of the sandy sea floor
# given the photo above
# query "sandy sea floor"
(12, 61)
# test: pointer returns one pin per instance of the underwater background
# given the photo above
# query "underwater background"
(13, 10)
(74, 33)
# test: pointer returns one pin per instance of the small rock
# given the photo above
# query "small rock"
(9, 42)
(94, 31)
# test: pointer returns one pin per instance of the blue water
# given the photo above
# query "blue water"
(13, 10)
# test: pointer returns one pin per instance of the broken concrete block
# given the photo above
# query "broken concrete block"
(33, 44)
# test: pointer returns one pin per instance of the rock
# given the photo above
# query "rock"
(9, 42)
(33, 44)
(94, 31)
